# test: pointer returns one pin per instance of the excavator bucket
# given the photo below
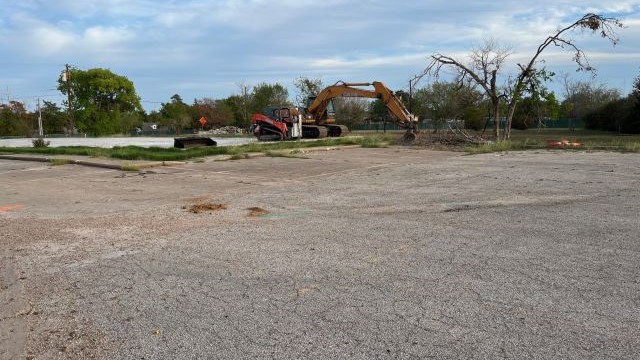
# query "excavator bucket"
(193, 141)
(409, 137)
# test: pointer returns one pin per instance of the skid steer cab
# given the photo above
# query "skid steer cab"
(276, 124)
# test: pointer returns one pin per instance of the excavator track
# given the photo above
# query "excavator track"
(314, 132)
(337, 130)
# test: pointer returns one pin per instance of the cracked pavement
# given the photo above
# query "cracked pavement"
(363, 254)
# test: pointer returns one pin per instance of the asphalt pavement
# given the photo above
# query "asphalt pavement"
(392, 253)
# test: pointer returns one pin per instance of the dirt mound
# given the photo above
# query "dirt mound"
(257, 211)
(198, 208)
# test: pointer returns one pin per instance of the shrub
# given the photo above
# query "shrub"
(40, 143)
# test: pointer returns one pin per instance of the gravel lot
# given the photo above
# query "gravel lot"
(362, 254)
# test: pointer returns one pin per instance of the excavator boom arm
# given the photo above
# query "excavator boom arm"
(395, 106)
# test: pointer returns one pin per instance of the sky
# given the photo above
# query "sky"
(211, 48)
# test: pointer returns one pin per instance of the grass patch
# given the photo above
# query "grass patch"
(538, 139)
(58, 162)
(130, 167)
(632, 147)
(378, 141)
(497, 146)
(295, 153)
(239, 156)
(173, 154)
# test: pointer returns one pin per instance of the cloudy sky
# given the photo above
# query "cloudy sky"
(206, 48)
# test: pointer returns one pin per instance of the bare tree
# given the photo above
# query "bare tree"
(486, 63)
(482, 70)
(528, 75)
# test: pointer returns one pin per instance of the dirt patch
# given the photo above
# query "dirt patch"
(198, 208)
(257, 211)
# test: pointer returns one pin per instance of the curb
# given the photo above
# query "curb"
(123, 167)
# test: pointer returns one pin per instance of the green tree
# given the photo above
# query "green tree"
(307, 88)
(620, 115)
(235, 105)
(176, 114)
(99, 98)
(15, 120)
(217, 112)
(378, 110)
(264, 95)
(351, 111)
(441, 101)
(540, 104)
(53, 118)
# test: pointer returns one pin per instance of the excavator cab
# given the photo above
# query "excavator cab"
(328, 115)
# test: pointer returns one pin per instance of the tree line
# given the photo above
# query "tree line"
(106, 104)
(100, 102)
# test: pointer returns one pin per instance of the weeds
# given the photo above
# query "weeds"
(40, 143)
(497, 147)
(58, 162)
(534, 139)
(296, 153)
(239, 156)
(130, 167)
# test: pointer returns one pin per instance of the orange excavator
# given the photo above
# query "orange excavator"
(318, 120)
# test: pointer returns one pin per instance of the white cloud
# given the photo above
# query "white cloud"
(100, 37)
(200, 42)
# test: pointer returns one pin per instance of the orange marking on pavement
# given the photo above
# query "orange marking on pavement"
(7, 208)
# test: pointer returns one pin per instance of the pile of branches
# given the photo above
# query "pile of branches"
(453, 138)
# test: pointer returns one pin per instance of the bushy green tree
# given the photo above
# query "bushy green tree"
(620, 115)
(235, 105)
(264, 95)
(535, 108)
(15, 120)
(53, 118)
(441, 101)
(98, 99)
(176, 114)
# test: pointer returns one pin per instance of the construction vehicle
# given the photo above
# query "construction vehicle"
(318, 119)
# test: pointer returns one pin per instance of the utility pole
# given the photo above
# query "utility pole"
(245, 98)
(67, 79)
(40, 132)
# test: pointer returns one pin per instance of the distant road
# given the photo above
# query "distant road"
(108, 142)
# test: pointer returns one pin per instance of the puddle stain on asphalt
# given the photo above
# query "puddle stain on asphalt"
(10, 207)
